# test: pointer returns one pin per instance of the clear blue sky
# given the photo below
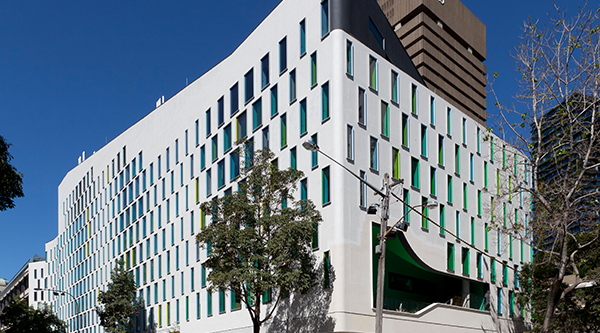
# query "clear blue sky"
(75, 74)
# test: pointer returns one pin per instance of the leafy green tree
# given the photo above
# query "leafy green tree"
(259, 238)
(11, 181)
(18, 317)
(118, 305)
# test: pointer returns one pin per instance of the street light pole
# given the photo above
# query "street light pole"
(62, 292)
(381, 264)
(385, 214)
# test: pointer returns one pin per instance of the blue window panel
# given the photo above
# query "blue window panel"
(314, 154)
(234, 99)
(221, 173)
(249, 85)
(234, 165)
(303, 119)
(202, 157)
(325, 101)
(274, 108)
(283, 55)
(257, 114)
(226, 138)
(292, 86)
(324, 18)
(302, 37)
(264, 71)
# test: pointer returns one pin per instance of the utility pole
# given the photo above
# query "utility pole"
(385, 214)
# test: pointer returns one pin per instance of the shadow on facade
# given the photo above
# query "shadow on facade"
(306, 312)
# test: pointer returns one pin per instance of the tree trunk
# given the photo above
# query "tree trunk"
(555, 287)
(256, 326)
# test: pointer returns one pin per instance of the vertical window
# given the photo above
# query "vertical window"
(478, 140)
(432, 110)
(465, 261)
(349, 58)
(413, 98)
(493, 271)
(424, 140)
(433, 181)
(449, 121)
(457, 159)
(325, 186)
(450, 257)
(265, 138)
(302, 37)
(442, 219)
(314, 155)
(385, 119)
(313, 69)
(465, 196)
(471, 167)
(197, 132)
(450, 190)
(326, 270)
(325, 101)
(293, 164)
(209, 303)
(405, 207)
(283, 130)
(221, 173)
(395, 163)
(257, 114)
(324, 18)
(292, 86)
(241, 126)
(274, 107)
(207, 120)
(374, 153)
(394, 87)
(373, 73)
(458, 224)
(350, 143)
(303, 128)
(505, 273)
(363, 190)
(464, 131)
(486, 237)
(415, 172)
(441, 150)
(248, 85)
(472, 231)
(479, 205)
(221, 107)
(202, 157)
(361, 106)
(234, 164)
(405, 130)
(208, 182)
(303, 189)
(264, 71)
(485, 174)
(425, 212)
(227, 138)
(215, 147)
(479, 265)
(282, 55)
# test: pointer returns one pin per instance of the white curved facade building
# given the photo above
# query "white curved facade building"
(333, 72)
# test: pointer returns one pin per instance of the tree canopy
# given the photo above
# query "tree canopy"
(11, 180)
(118, 305)
(259, 238)
(19, 317)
